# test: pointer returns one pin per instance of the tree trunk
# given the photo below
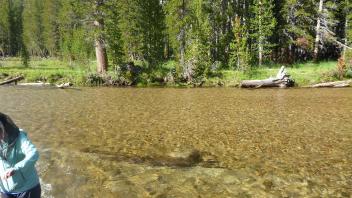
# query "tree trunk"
(260, 42)
(317, 30)
(260, 52)
(346, 39)
(182, 40)
(100, 50)
(182, 47)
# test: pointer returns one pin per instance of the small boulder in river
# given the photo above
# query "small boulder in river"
(185, 158)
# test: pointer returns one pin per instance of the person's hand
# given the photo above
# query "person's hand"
(8, 174)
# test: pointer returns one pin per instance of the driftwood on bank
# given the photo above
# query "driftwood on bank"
(12, 80)
(42, 84)
(281, 80)
(38, 84)
(336, 84)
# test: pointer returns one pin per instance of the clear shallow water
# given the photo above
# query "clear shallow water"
(188, 142)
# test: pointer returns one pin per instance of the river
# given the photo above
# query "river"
(164, 142)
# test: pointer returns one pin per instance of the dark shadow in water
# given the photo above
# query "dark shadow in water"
(194, 158)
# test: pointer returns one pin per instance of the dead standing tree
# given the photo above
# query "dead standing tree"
(318, 31)
(324, 31)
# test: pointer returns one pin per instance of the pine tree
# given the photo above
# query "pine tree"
(262, 25)
(13, 34)
(178, 20)
(198, 52)
(51, 26)
(142, 30)
(131, 29)
(100, 41)
(153, 30)
(23, 48)
(296, 30)
(189, 31)
(75, 31)
(221, 17)
(4, 28)
(113, 33)
(13, 26)
(239, 56)
(34, 28)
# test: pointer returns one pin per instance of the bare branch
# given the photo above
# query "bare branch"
(341, 44)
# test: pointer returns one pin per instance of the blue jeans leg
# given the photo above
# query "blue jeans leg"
(31, 193)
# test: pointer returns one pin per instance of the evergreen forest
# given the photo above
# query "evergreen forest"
(195, 37)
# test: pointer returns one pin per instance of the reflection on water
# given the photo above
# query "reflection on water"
(188, 142)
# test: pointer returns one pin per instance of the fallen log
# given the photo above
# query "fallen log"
(42, 84)
(271, 82)
(336, 84)
(281, 80)
(38, 84)
(15, 80)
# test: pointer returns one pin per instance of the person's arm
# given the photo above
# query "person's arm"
(30, 152)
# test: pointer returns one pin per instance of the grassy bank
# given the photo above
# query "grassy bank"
(48, 70)
(304, 74)
(56, 71)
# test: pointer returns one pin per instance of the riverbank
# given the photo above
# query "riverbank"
(56, 71)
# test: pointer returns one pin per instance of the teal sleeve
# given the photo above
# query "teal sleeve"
(31, 155)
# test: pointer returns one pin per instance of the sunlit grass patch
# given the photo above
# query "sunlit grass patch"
(45, 70)
(303, 73)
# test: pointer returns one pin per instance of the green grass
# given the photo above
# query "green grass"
(304, 74)
(310, 73)
(49, 70)
(56, 71)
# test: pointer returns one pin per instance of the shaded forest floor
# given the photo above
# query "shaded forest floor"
(56, 71)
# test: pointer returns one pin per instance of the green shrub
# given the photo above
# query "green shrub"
(348, 58)
(52, 78)
(94, 79)
(348, 73)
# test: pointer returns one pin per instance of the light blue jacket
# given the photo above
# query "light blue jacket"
(21, 158)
